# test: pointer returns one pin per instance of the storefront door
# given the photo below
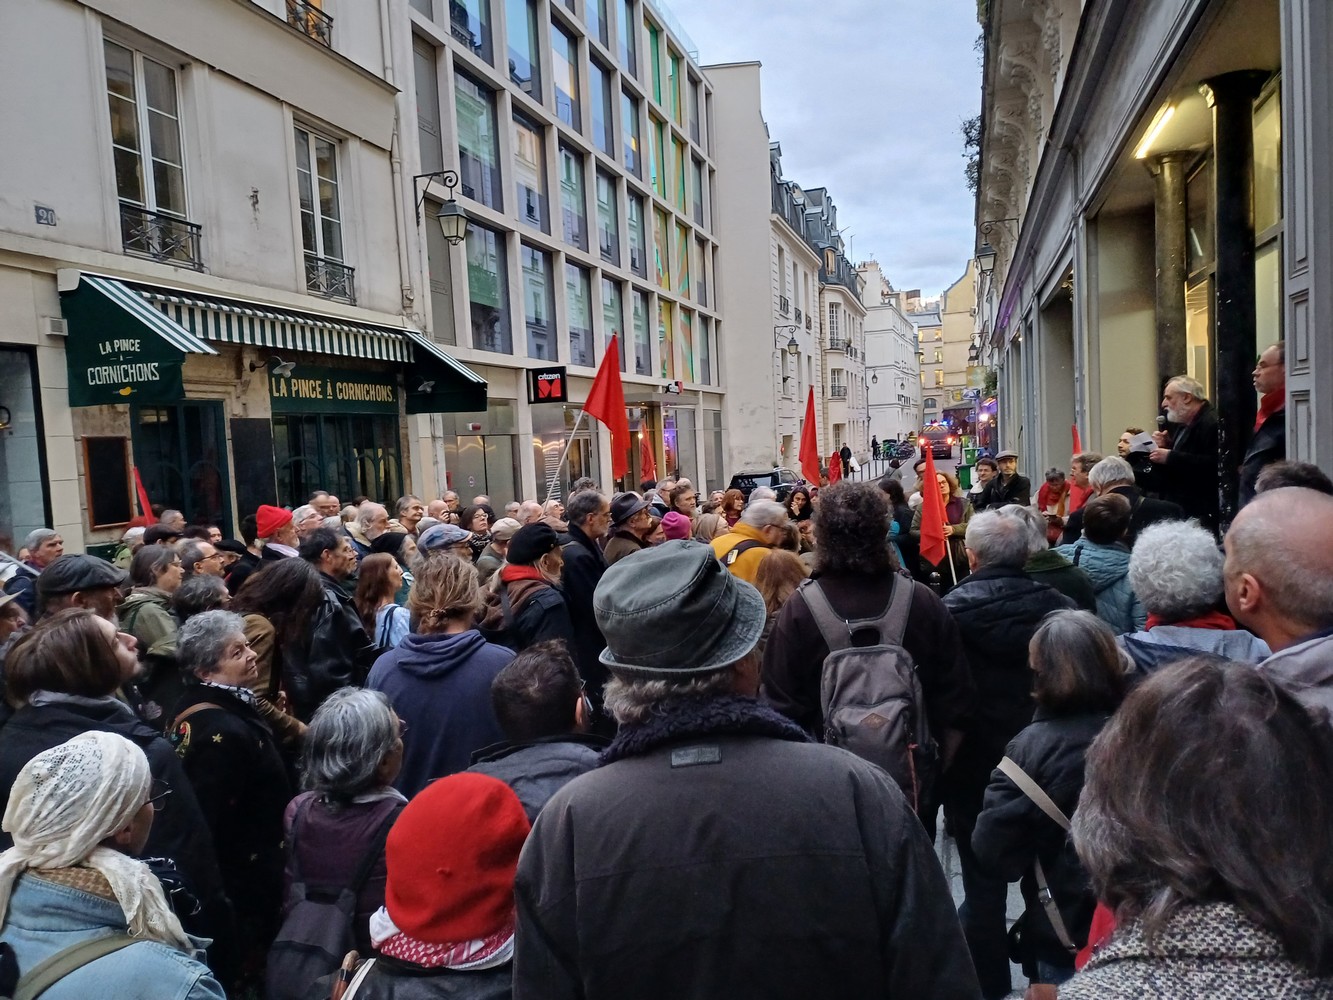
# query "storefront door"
(181, 453)
(23, 505)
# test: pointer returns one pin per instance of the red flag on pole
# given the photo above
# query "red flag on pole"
(606, 402)
(144, 505)
(934, 548)
(647, 460)
(834, 467)
(809, 453)
(1078, 441)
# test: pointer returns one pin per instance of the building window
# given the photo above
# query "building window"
(595, 16)
(643, 361)
(705, 352)
(629, 133)
(682, 261)
(678, 170)
(626, 35)
(694, 109)
(661, 250)
(470, 23)
(599, 97)
(608, 219)
(939, 379)
(530, 173)
(686, 338)
(565, 72)
(673, 86)
(638, 244)
(478, 146)
(538, 303)
(701, 271)
(146, 148)
(321, 217)
(939, 356)
(524, 47)
(613, 318)
(697, 183)
(655, 59)
(578, 302)
(657, 156)
(488, 290)
(424, 6)
(832, 321)
(573, 213)
(426, 79)
(666, 339)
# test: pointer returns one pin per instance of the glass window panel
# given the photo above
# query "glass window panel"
(538, 303)
(655, 60)
(595, 16)
(694, 110)
(666, 338)
(333, 239)
(129, 180)
(608, 219)
(426, 79)
(478, 148)
(1199, 218)
(530, 174)
(686, 339)
(638, 243)
(643, 364)
(573, 214)
(1199, 332)
(164, 138)
(422, 5)
(578, 300)
(661, 250)
(488, 290)
(678, 170)
(599, 98)
(119, 70)
(613, 318)
(124, 123)
(1268, 164)
(1268, 295)
(682, 260)
(657, 166)
(629, 124)
(701, 271)
(705, 352)
(470, 23)
(626, 35)
(524, 46)
(697, 183)
(160, 87)
(565, 73)
(169, 188)
(673, 86)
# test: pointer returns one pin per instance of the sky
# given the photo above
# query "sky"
(866, 98)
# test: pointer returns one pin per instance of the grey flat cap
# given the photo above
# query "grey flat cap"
(72, 573)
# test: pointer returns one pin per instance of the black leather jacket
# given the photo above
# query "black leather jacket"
(339, 653)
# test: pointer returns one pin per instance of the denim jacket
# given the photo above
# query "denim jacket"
(45, 918)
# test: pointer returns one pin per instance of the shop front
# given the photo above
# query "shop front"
(24, 504)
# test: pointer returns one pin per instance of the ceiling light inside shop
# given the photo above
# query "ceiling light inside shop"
(1158, 123)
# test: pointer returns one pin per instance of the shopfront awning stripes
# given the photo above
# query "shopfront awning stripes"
(141, 310)
(427, 347)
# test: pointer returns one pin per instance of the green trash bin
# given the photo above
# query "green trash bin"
(964, 476)
(970, 455)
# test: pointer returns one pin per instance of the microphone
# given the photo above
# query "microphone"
(1161, 422)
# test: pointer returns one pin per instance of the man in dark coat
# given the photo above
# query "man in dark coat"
(1186, 456)
(632, 520)
(340, 651)
(1007, 487)
(1116, 475)
(718, 852)
(589, 516)
(541, 706)
(997, 608)
(1269, 443)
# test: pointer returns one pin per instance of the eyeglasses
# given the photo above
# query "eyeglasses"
(157, 794)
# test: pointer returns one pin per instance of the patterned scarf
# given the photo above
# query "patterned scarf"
(489, 952)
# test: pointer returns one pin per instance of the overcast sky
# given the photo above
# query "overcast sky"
(866, 97)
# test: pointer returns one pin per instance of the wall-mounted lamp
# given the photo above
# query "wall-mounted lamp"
(426, 386)
(792, 347)
(986, 258)
(451, 217)
(282, 369)
(1164, 115)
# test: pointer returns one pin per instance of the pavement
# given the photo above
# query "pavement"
(948, 855)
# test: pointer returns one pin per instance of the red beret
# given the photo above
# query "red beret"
(270, 519)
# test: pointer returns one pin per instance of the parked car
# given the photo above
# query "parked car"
(779, 480)
(939, 439)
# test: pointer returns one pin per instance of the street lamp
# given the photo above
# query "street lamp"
(793, 348)
(451, 217)
(986, 258)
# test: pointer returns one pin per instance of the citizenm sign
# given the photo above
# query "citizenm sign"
(547, 385)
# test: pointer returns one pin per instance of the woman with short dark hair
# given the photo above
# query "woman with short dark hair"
(377, 583)
(1079, 681)
(1205, 826)
(798, 504)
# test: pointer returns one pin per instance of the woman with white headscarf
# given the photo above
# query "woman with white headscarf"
(76, 814)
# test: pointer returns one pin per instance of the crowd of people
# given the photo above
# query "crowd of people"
(660, 744)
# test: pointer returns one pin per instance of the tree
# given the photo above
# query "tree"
(971, 130)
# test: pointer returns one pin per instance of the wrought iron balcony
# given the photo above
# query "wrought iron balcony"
(330, 278)
(799, 315)
(784, 305)
(307, 18)
(837, 392)
(838, 344)
(163, 237)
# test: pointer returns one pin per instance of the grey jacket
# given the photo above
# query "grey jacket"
(1163, 645)
(537, 770)
(1307, 670)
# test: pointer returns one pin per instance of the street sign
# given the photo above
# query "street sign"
(548, 385)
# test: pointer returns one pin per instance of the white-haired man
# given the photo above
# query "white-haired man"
(1186, 453)
(1116, 475)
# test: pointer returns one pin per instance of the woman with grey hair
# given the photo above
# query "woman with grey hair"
(1175, 571)
(232, 760)
(353, 752)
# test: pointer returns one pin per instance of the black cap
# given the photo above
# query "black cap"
(231, 545)
(530, 543)
(626, 505)
(78, 572)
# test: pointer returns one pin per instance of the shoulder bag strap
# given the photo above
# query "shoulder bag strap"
(740, 548)
(47, 973)
(376, 848)
(197, 707)
(1044, 802)
(836, 631)
(1078, 554)
(293, 843)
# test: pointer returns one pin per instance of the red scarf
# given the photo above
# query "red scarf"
(1213, 619)
(1270, 403)
(508, 574)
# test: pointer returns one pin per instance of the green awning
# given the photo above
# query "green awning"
(120, 348)
(451, 387)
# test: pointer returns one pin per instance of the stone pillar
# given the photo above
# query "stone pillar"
(1231, 98)
(1168, 170)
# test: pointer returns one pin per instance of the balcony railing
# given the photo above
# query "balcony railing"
(837, 392)
(838, 344)
(330, 278)
(307, 18)
(162, 237)
(799, 314)
(784, 305)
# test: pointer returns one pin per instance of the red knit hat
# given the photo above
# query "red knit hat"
(269, 519)
(451, 856)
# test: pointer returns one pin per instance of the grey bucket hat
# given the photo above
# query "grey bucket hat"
(674, 611)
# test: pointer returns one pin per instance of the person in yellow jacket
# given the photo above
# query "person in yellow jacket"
(763, 526)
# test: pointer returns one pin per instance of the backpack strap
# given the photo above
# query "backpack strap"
(741, 547)
(50, 971)
(1044, 802)
(376, 848)
(197, 707)
(837, 631)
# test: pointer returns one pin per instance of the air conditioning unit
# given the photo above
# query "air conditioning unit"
(56, 327)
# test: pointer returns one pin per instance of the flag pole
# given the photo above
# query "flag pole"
(569, 442)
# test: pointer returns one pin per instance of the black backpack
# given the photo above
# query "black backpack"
(318, 931)
(870, 696)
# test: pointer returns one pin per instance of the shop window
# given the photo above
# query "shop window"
(23, 479)
(347, 454)
(1199, 249)
(181, 454)
(551, 429)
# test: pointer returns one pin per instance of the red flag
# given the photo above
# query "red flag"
(834, 468)
(933, 545)
(1078, 441)
(606, 402)
(647, 460)
(809, 452)
(144, 505)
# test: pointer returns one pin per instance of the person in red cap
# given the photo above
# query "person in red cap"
(447, 924)
(275, 526)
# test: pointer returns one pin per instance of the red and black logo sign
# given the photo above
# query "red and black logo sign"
(547, 385)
